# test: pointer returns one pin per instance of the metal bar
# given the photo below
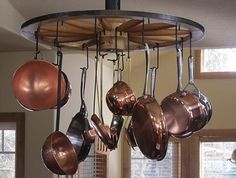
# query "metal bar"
(59, 60)
(113, 4)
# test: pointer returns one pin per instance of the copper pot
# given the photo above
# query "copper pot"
(59, 155)
(68, 91)
(149, 127)
(120, 98)
(181, 109)
(203, 119)
(35, 85)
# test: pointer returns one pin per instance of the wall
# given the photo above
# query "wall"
(38, 124)
(221, 92)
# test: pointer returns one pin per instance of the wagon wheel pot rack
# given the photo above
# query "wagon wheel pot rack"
(110, 31)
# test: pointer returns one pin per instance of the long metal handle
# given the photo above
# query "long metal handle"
(190, 69)
(153, 81)
(147, 53)
(179, 70)
(83, 84)
(59, 62)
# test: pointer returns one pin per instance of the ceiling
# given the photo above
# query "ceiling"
(217, 16)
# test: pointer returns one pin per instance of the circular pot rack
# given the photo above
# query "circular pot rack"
(112, 29)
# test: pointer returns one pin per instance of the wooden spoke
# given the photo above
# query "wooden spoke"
(128, 24)
(151, 27)
(140, 41)
(89, 43)
(83, 25)
(156, 38)
(67, 39)
(166, 32)
(60, 34)
(63, 28)
(105, 24)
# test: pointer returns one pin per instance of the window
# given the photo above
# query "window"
(204, 155)
(12, 145)
(214, 159)
(94, 165)
(136, 165)
(167, 168)
(216, 63)
(208, 153)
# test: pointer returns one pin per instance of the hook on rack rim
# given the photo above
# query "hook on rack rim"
(37, 51)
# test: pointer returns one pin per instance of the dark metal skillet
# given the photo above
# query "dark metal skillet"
(79, 126)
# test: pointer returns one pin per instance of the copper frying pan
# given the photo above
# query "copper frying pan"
(148, 121)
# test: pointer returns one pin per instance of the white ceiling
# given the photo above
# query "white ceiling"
(217, 16)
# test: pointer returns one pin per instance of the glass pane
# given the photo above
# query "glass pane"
(142, 167)
(9, 140)
(7, 165)
(214, 160)
(219, 60)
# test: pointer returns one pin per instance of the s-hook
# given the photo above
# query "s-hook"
(36, 44)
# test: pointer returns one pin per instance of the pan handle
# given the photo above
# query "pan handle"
(147, 54)
(153, 81)
(179, 70)
(191, 87)
(82, 87)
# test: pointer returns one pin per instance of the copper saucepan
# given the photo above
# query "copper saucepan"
(35, 85)
(148, 121)
(79, 126)
(203, 119)
(58, 153)
(120, 98)
(181, 108)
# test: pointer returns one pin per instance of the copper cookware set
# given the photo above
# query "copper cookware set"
(39, 85)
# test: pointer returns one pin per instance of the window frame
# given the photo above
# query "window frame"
(208, 75)
(189, 151)
(191, 146)
(19, 119)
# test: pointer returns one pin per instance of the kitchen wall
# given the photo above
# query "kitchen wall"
(38, 124)
(221, 92)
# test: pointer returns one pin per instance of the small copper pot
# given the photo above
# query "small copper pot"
(35, 85)
(59, 155)
(120, 98)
